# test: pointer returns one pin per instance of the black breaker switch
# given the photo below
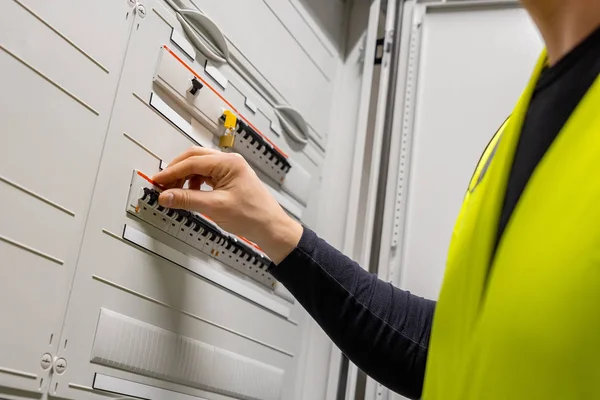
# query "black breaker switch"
(206, 229)
(196, 86)
(259, 143)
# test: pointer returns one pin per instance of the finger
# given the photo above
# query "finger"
(179, 183)
(185, 199)
(173, 185)
(196, 182)
(196, 165)
(193, 151)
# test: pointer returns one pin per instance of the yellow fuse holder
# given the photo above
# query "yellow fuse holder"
(227, 139)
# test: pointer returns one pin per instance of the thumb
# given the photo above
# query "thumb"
(185, 199)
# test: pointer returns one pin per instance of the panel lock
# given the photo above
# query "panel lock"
(229, 122)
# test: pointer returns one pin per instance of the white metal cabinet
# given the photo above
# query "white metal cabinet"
(115, 277)
(63, 63)
(58, 82)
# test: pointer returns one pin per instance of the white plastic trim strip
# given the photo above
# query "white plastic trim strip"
(134, 389)
(251, 106)
(214, 73)
(206, 271)
(183, 44)
(159, 105)
(166, 111)
(275, 127)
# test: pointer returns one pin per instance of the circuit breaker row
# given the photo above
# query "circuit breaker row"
(199, 232)
(247, 140)
(191, 90)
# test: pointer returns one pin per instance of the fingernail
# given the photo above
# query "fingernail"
(168, 199)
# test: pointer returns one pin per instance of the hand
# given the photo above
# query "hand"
(239, 202)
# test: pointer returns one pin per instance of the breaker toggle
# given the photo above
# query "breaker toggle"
(196, 86)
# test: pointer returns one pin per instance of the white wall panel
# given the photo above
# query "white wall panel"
(58, 83)
(85, 25)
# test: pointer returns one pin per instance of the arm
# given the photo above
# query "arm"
(382, 329)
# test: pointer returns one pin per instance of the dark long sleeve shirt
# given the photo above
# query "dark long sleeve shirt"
(382, 329)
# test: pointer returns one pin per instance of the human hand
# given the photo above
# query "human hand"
(239, 202)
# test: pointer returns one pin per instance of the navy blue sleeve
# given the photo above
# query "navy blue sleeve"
(380, 328)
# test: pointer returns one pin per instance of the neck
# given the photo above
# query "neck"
(563, 23)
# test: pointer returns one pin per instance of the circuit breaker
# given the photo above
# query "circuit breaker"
(198, 231)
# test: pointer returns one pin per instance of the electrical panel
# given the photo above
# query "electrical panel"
(205, 102)
(199, 232)
(104, 292)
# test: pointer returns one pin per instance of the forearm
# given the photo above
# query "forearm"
(382, 329)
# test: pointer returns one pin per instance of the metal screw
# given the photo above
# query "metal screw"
(141, 11)
(132, 3)
(46, 361)
(60, 365)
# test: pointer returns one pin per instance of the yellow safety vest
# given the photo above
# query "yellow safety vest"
(524, 323)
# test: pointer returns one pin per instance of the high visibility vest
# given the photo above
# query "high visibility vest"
(524, 322)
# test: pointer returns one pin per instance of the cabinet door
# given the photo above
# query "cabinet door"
(146, 317)
(58, 83)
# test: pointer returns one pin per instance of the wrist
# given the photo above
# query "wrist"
(280, 237)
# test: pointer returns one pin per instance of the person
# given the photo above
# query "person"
(517, 316)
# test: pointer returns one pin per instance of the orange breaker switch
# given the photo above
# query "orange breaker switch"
(229, 122)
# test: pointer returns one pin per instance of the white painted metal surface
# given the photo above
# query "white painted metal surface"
(203, 269)
(117, 386)
(47, 63)
(159, 105)
(88, 105)
(183, 44)
(216, 75)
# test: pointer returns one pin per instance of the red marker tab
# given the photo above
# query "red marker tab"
(158, 185)
(251, 243)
